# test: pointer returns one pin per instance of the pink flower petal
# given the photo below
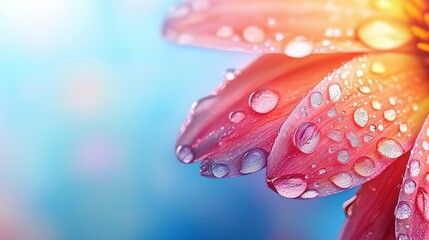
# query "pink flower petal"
(352, 125)
(412, 211)
(233, 130)
(370, 212)
(297, 28)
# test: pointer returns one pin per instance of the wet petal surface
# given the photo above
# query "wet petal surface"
(237, 125)
(349, 139)
(412, 211)
(370, 212)
(289, 26)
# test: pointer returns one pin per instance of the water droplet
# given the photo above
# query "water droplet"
(230, 74)
(361, 117)
(359, 73)
(372, 128)
(291, 187)
(365, 89)
(392, 101)
(403, 237)
(237, 117)
(332, 112)
(322, 171)
(378, 68)
(409, 186)
(263, 101)
(184, 153)
(225, 32)
(310, 194)
(389, 114)
(403, 127)
(220, 170)
(307, 136)
(376, 105)
(334, 91)
(422, 200)
(253, 34)
(367, 138)
(364, 166)
(343, 156)
(352, 137)
(414, 167)
(383, 34)
(316, 99)
(389, 148)
(342, 180)
(299, 47)
(335, 135)
(402, 211)
(425, 145)
(380, 127)
(253, 161)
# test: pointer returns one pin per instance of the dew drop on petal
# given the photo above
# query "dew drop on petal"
(342, 180)
(365, 89)
(220, 170)
(335, 135)
(403, 237)
(334, 91)
(414, 167)
(253, 34)
(389, 148)
(409, 186)
(299, 47)
(322, 171)
(353, 139)
(389, 114)
(402, 211)
(253, 161)
(378, 68)
(310, 194)
(184, 153)
(361, 117)
(263, 101)
(307, 136)
(425, 145)
(230, 74)
(383, 34)
(343, 156)
(372, 128)
(403, 127)
(237, 116)
(376, 105)
(225, 32)
(316, 99)
(291, 187)
(364, 166)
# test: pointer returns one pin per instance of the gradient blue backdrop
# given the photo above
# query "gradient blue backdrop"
(91, 100)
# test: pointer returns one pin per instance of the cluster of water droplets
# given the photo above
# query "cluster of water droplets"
(362, 84)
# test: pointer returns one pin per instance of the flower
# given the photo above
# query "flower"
(337, 99)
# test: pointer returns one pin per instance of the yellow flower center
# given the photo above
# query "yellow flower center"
(418, 12)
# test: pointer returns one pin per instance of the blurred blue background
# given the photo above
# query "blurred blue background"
(91, 100)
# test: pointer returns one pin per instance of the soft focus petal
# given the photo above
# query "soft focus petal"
(370, 212)
(234, 129)
(351, 126)
(412, 211)
(295, 27)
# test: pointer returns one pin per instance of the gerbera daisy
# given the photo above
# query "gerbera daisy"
(338, 98)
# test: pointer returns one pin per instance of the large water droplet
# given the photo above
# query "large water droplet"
(316, 99)
(184, 153)
(353, 139)
(253, 34)
(376, 105)
(299, 47)
(343, 156)
(253, 161)
(409, 186)
(237, 117)
(389, 114)
(422, 200)
(389, 148)
(263, 101)
(402, 211)
(364, 166)
(307, 136)
(342, 180)
(310, 194)
(361, 117)
(383, 34)
(220, 170)
(334, 91)
(291, 187)
(414, 167)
